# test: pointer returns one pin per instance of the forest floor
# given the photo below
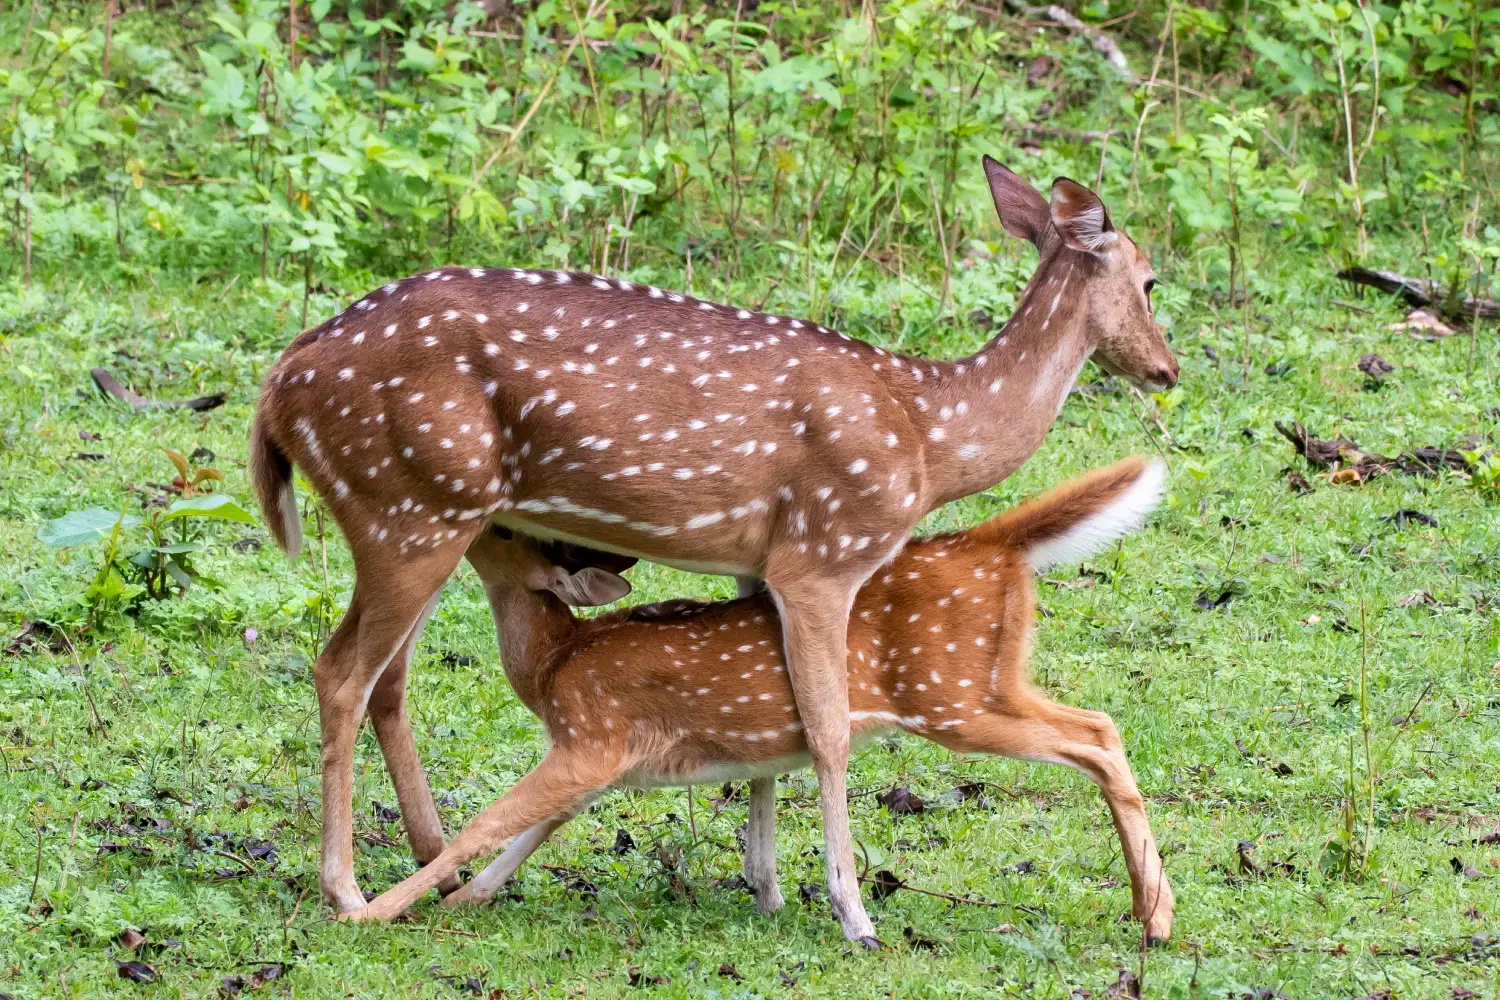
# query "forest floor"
(160, 800)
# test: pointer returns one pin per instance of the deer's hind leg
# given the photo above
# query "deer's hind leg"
(393, 729)
(1027, 725)
(387, 607)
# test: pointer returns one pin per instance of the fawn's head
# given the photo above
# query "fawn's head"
(1075, 229)
(580, 577)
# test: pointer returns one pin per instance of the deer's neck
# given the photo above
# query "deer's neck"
(984, 415)
(531, 627)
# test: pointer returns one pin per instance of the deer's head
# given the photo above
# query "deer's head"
(579, 577)
(1113, 276)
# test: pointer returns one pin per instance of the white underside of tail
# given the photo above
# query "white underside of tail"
(1123, 515)
(291, 521)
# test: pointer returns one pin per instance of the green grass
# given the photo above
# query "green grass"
(210, 740)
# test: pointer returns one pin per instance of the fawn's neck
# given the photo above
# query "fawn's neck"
(530, 624)
(984, 415)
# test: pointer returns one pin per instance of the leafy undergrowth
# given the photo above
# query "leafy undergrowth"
(159, 815)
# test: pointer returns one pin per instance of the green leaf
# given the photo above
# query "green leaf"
(177, 549)
(80, 527)
(219, 505)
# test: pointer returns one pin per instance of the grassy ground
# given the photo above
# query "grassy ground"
(1243, 721)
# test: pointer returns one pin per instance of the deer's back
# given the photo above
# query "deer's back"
(622, 415)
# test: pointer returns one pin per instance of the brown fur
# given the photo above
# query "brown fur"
(938, 645)
(656, 425)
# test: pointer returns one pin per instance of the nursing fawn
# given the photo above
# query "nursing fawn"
(646, 422)
(688, 693)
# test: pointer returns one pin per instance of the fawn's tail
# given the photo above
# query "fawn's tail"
(271, 472)
(1081, 516)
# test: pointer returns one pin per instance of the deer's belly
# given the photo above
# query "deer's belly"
(689, 557)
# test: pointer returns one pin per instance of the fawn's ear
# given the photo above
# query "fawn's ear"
(1080, 218)
(1022, 211)
(590, 587)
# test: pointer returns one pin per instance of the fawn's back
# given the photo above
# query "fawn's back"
(938, 645)
(700, 691)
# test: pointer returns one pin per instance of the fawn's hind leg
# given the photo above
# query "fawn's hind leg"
(1024, 724)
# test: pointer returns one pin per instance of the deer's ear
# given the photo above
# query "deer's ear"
(590, 587)
(1080, 218)
(1022, 211)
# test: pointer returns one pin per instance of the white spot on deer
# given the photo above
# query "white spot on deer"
(911, 498)
(936, 434)
(683, 474)
(429, 341)
(566, 408)
(858, 465)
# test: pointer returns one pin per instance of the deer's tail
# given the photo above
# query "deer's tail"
(271, 473)
(1081, 516)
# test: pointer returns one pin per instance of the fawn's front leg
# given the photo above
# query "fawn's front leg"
(557, 787)
(760, 846)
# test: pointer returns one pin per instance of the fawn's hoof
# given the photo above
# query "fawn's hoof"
(458, 897)
(872, 943)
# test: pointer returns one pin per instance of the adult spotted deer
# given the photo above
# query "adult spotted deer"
(653, 424)
(688, 693)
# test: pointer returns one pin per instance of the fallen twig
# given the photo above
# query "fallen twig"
(249, 868)
(932, 892)
(110, 385)
(1423, 292)
(1341, 453)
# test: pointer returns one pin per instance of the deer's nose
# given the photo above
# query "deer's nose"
(1166, 374)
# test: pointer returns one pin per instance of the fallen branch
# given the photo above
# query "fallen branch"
(110, 385)
(1103, 44)
(1423, 292)
(1341, 453)
(887, 883)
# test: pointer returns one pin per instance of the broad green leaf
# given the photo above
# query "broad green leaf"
(219, 505)
(80, 527)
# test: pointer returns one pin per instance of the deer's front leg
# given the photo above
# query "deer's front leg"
(814, 623)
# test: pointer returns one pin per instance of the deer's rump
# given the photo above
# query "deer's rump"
(674, 430)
